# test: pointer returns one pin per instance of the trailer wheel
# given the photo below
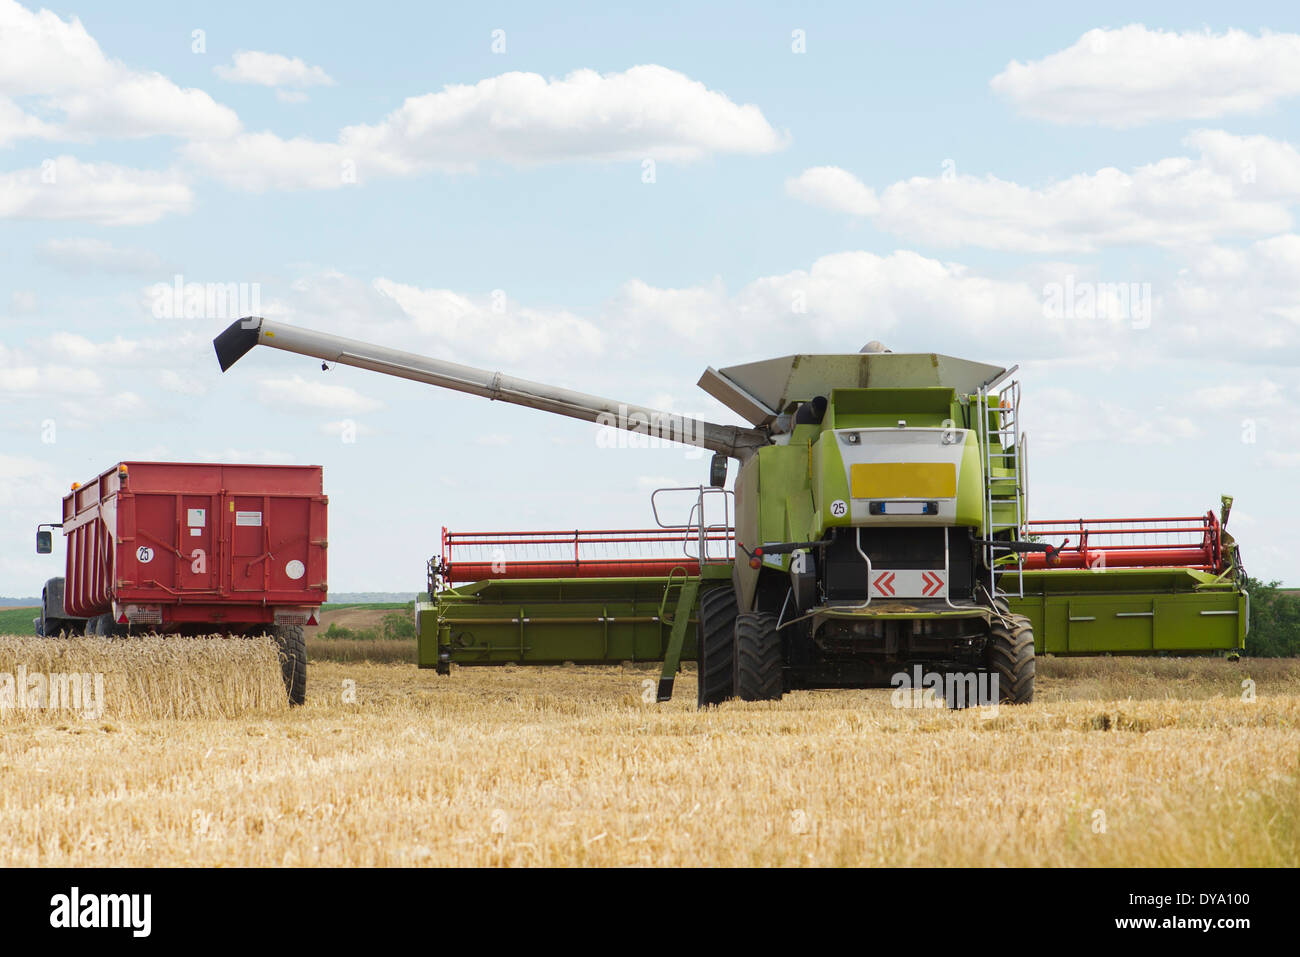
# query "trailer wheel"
(1011, 658)
(103, 626)
(293, 660)
(759, 662)
(715, 640)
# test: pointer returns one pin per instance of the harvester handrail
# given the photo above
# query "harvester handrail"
(703, 530)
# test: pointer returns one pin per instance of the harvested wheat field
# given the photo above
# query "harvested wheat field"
(1119, 762)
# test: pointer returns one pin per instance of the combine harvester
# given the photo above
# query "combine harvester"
(879, 519)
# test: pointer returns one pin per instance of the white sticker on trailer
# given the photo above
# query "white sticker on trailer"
(248, 518)
(198, 517)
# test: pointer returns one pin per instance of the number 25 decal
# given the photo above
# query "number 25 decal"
(839, 508)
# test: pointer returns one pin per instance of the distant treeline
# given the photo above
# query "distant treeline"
(1274, 620)
(369, 597)
(396, 625)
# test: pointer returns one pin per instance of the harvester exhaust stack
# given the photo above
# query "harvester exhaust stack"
(243, 334)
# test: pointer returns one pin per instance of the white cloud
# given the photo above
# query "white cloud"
(1237, 187)
(96, 255)
(17, 125)
(476, 327)
(840, 302)
(173, 381)
(28, 483)
(146, 104)
(1282, 460)
(304, 395)
(44, 56)
(1259, 165)
(1134, 75)
(66, 188)
(272, 69)
(1241, 303)
(833, 188)
(1172, 201)
(346, 430)
(522, 118)
(149, 352)
(1054, 421)
(525, 118)
(247, 456)
(44, 380)
(1264, 394)
(262, 161)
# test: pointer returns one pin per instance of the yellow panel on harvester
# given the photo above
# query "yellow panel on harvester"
(903, 480)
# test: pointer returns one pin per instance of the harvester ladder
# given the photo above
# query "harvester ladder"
(699, 531)
(1004, 476)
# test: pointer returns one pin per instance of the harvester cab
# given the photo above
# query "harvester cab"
(880, 531)
(879, 510)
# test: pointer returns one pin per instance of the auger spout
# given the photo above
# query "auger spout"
(243, 334)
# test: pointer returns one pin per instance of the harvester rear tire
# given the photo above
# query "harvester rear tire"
(715, 640)
(1011, 658)
(759, 662)
(293, 660)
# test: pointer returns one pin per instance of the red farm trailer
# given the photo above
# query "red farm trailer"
(192, 548)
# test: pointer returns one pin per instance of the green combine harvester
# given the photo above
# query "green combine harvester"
(878, 527)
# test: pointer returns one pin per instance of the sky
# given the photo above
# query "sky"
(612, 200)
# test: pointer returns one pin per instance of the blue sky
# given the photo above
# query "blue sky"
(920, 174)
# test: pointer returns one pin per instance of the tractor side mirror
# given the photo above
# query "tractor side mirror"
(44, 542)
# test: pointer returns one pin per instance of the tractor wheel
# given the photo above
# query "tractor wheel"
(1011, 657)
(716, 647)
(759, 663)
(293, 660)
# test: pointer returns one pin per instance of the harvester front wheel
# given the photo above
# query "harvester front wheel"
(1011, 658)
(759, 663)
(293, 660)
(716, 646)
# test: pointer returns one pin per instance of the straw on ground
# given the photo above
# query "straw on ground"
(1129, 762)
